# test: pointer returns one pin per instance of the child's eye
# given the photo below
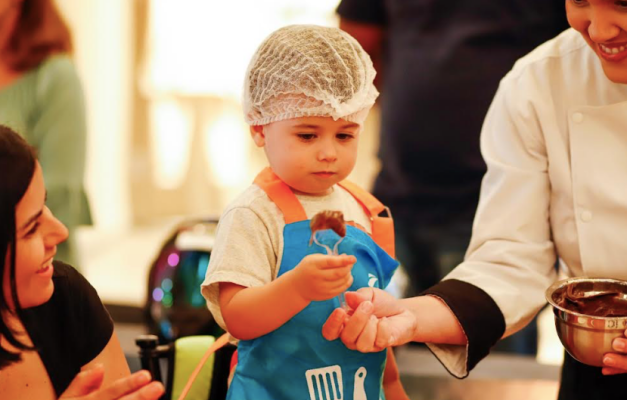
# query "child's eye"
(306, 136)
(622, 5)
(344, 136)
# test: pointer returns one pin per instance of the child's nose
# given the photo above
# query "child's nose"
(327, 153)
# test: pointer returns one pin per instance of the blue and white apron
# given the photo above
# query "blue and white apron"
(295, 361)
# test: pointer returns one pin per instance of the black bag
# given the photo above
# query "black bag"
(175, 306)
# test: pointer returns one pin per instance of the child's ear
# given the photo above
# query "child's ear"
(256, 132)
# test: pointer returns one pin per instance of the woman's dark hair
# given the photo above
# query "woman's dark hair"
(39, 32)
(17, 166)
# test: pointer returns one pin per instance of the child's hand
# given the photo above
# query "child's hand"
(321, 277)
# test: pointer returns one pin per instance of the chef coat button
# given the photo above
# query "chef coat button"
(578, 117)
(586, 216)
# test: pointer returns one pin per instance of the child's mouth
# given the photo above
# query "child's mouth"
(324, 174)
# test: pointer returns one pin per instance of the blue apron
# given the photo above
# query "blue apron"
(295, 361)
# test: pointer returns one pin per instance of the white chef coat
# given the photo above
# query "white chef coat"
(555, 144)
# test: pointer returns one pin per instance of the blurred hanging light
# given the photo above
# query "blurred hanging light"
(171, 129)
(200, 47)
(226, 148)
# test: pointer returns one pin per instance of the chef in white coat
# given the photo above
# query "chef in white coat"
(555, 143)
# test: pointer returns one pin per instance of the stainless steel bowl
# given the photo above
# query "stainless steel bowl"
(585, 337)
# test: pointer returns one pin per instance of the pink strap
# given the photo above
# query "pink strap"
(217, 345)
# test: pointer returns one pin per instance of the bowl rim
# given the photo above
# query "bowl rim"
(563, 282)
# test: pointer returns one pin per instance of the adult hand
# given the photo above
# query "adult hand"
(378, 321)
(321, 277)
(616, 363)
(138, 386)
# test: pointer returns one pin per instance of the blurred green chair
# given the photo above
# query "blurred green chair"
(173, 364)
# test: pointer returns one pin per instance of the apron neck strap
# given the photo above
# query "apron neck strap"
(281, 195)
(382, 227)
(291, 208)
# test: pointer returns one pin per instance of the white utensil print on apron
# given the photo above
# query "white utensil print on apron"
(359, 392)
(326, 383)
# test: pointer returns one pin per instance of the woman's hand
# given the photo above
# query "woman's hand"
(321, 277)
(616, 363)
(138, 386)
(378, 321)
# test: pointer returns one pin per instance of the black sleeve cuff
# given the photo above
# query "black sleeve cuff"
(480, 317)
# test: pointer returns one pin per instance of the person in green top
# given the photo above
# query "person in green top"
(42, 98)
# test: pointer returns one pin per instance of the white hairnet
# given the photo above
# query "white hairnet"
(308, 70)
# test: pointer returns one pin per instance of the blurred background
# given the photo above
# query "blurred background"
(167, 142)
(166, 136)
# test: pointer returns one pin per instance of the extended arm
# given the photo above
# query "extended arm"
(435, 321)
(454, 317)
(255, 311)
(380, 320)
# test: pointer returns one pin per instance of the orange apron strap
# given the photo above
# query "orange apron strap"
(281, 195)
(382, 227)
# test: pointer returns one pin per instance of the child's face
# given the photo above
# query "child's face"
(310, 154)
(603, 24)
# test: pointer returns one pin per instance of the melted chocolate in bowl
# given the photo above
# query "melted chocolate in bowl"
(607, 303)
(590, 313)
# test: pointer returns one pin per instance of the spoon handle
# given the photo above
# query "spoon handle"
(341, 296)
(333, 252)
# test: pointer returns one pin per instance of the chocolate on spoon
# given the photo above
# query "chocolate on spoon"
(333, 220)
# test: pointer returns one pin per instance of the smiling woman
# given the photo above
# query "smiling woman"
(38, 233)
(603, 24)
(52, 323)
(41, 98)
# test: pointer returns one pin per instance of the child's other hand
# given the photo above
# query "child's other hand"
(321, 277)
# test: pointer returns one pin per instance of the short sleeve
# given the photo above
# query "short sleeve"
(71, 329)
(365, 11)
(243, 254)
(92, 318)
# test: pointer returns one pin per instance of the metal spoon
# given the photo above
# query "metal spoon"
(570, 292)
(333, 252)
